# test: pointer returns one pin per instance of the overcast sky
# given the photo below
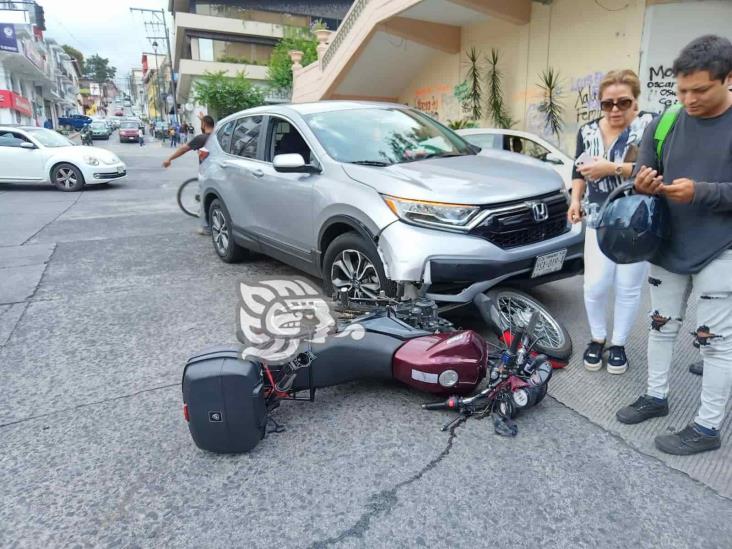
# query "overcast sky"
(105, 27)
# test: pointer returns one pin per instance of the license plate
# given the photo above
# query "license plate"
(549, 263)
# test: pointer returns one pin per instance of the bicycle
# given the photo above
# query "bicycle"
(189, 199)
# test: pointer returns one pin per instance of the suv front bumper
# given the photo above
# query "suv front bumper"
(441, 258)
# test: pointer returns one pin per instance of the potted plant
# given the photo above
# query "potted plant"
(320, 30)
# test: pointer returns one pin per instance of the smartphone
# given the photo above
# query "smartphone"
(585, 159)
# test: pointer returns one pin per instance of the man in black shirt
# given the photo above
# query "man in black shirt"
(693, 174)
(207, 126)
(195, 144)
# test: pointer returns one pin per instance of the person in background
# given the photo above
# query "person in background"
(140, 137)
(48, 124)
(606, 149)
(693, 173)
(196, 144)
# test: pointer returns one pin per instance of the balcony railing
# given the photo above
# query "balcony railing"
(343, 30)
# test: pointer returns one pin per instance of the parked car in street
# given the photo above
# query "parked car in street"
(100, 129)
(37, 155)
(75, 121)
(366, 195)
(128, 131)
(524, 143)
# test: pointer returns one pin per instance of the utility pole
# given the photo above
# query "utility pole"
(157, 21)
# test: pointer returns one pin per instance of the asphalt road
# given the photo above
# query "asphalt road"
(104, 294)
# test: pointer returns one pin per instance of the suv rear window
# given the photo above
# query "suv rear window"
(246, 136)
(224, 135)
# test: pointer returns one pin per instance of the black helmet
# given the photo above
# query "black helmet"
(631, 228)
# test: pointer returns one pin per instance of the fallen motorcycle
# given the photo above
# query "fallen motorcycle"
(228, 400)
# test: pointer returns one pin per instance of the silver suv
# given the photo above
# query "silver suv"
(369, 195)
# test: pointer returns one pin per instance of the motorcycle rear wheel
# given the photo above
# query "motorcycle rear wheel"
(512, 309)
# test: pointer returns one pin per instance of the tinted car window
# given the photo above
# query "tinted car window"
(246, 136)
(224, 135)
(525, 146)
(285, 139)
(485, 140)
(10, 139)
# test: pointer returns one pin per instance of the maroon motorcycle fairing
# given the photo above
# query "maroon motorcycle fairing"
(420, 361)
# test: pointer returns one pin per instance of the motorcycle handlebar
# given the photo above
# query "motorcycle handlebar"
(452, 403)
(435, 406)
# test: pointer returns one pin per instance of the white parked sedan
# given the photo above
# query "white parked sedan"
(37, 155)
(523, 143)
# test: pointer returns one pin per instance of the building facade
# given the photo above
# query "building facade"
(237, 36)
(38, 80)
(415, 52)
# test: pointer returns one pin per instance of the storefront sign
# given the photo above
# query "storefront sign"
(13, 101)
(8, 42)
(31, 52)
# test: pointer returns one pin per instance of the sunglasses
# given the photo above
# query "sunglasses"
(622, 104)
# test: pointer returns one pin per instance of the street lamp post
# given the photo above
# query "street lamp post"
(157, 82)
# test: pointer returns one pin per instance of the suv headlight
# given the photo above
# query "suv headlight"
(431, 214)
(91, 160)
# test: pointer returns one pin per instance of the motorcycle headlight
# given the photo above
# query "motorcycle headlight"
(91, 160)
(448, 378)
(431, 214)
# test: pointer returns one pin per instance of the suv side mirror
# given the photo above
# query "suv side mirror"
(292, 163)
(552, 158)
(27, 145)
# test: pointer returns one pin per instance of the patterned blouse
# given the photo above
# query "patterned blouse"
(623, 149)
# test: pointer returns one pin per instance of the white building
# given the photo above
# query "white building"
(237, 36)
(38, 81)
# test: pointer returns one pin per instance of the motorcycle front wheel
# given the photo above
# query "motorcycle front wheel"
(513, 309)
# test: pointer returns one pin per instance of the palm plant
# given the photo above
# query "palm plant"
(550, 105)
(496, 105)
(473, 78)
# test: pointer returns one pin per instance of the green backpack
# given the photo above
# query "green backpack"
(665, 125)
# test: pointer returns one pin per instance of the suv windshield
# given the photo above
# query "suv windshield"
(379, 137)
(49, 138)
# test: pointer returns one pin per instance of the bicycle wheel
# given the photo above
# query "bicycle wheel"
(188, 198)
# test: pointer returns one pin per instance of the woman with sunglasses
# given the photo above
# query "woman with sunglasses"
(606, 149)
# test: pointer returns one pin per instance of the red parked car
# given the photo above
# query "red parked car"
(128, 131)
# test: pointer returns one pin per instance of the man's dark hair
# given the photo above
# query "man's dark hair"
(707, 53)
(208, 121)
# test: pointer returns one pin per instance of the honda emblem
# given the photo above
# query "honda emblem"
(539, 211)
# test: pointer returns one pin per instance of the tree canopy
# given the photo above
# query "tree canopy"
(225, 95)
(279, 70)
(76, 54)
(98, 69)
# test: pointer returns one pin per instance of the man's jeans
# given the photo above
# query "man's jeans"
(669, 295)
(201, 214)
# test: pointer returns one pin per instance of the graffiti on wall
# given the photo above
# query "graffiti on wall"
(438, 101)
(586, 97)
(660, 88)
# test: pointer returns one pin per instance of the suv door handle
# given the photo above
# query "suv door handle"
(257, 173)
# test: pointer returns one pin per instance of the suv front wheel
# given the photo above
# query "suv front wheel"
(352, 263)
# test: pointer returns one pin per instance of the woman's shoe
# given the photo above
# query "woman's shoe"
(593, 356)
(617, 361)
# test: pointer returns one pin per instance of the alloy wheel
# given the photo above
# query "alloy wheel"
(66, 177)
(220, 231)
(355, 272)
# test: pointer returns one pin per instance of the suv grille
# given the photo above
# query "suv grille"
(515, 225)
